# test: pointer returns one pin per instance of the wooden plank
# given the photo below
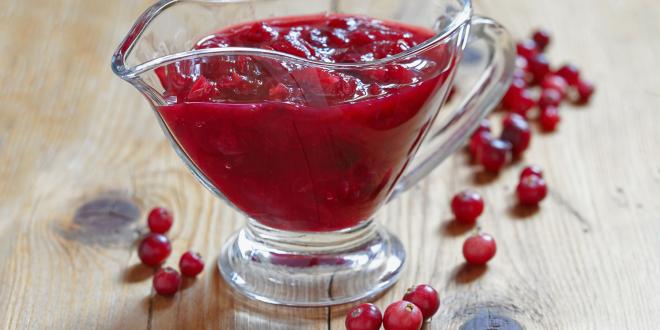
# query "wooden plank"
(82, 159)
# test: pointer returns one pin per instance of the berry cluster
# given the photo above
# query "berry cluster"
(535, 85)
(555, 85)
(419, 303)
(155, 248)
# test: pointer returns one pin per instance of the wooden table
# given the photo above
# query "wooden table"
(82, 159)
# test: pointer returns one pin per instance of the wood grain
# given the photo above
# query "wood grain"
(82, 159)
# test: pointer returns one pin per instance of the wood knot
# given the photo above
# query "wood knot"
(108, 220)
(489, 321)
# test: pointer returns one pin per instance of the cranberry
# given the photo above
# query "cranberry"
(542, 39)
(584, 90)
(531, 170)
(479, 249)
(278, 92)
(154, 249)
(374, 89)
(364, 317)
(527, 49)
(191, 264)
(291, 46)
(398, 74)
(522, 63)
(553, 81)
(467, 206)
(518, 98)
(549, 118)
(523, 75)
(478, 140)
(166, 282)
(539, 66)
(531, 190)
(425, 298)
(549, 98)
(402, 315)
(494, 154)
(259, 33)
(570, 74)
(160, 220)
(515, 130)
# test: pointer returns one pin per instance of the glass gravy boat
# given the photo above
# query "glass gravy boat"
(310, 170)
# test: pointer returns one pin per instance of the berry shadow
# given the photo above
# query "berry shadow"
(520, 211)
(454, 228)
(467, 273)
(137, 273)
(156, 302)
(187, 282)
(483, 177)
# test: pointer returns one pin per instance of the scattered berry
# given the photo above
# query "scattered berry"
(549, 118)
(166, 282)
(570, 74)
(584, 90)
(160, 220)
(518, 98)
(425, 298)
(527, 49)
(494, 155)
(516, 131)
(531, 190)
(553, 81)
(477, 142)
(531, 170)
(467, 206)
(191, 264)
(539, 66)
(542, 39)
(402, 315)
(364, 317)
(549, 98)
(479, 249)
(154, 249)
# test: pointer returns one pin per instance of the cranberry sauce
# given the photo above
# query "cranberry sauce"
(300, 147)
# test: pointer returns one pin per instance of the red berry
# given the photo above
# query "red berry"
(259, 33)
(531, 170)
(477, 141)
(549, 118)
(191, 264)
(549, 98)
(527, 49)
(166, 282)
(515, 130)
(402, 315)
(570, 74)
(494, 154)
(553, 81)
(479, 249)
(531, 190)
(522, 63)
(518, 98)
(201, 90)
(363, 317)
(542, 39)
(584, 90)
(160, 220)
(539, 66)
(154, 249)
(467, 206)
(425, 298)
